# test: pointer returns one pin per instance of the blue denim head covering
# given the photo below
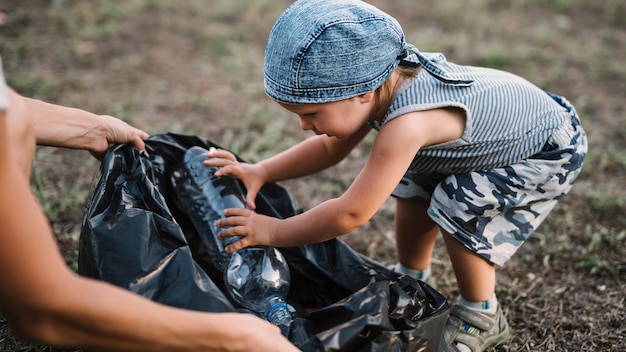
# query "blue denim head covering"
(321, 51)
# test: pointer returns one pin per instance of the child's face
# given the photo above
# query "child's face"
(340, 119)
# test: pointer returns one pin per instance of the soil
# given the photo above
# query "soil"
(183, 68)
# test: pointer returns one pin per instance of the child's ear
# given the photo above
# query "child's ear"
(367, 97)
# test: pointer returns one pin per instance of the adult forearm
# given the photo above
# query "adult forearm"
(59, 126)
(44, 301)
(65, 127)
(97, 316)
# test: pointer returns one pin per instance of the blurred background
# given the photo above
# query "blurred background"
(196, 67)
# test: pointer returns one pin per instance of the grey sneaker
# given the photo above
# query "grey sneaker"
(475, 330)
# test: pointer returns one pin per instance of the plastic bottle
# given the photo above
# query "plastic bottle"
(256, 277)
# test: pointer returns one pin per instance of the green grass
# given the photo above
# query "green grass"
(598, 235)
(33, 85)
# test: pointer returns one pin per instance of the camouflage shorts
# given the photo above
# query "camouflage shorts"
(493, 212)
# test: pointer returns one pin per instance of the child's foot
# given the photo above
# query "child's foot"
(475, 330)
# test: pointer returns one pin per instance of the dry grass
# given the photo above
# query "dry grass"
(196, 67)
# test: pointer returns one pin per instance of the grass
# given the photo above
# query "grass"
(598, 236)
(196, 67)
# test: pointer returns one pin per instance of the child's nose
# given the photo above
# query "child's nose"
(305, 125)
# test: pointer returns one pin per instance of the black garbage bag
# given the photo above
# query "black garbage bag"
(134, 236)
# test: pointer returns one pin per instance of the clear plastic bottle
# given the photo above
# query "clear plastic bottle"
(256, 277)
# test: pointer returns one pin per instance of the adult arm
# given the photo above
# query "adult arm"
(60, 126)
(45, 301)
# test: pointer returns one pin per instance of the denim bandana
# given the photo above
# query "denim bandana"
(321, 51)
(411, 56)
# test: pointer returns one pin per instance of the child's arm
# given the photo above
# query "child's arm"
(307, 157)
(392, 153)
(310, 156)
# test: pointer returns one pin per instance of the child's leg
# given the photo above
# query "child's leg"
(415, 234)
(476, 321)
(475, 276)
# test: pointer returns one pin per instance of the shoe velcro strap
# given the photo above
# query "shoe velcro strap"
(471, 317)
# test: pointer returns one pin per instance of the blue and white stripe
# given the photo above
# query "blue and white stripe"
(508, 119)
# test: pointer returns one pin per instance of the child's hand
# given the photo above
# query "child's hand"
(254, 229)
(249, 174)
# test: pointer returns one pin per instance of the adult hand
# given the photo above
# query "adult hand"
(112, 131)
(258, 335)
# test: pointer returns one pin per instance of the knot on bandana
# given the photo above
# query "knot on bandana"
(410, 56)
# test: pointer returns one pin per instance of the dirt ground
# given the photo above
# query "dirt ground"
(196, 67)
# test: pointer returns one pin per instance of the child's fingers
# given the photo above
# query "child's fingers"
(221, 153)
(242, 243)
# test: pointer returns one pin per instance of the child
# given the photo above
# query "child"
(480, 155)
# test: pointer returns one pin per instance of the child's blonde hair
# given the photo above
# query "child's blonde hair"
(384, 94)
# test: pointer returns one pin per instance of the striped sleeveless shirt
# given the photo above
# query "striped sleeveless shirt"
(508, 119)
